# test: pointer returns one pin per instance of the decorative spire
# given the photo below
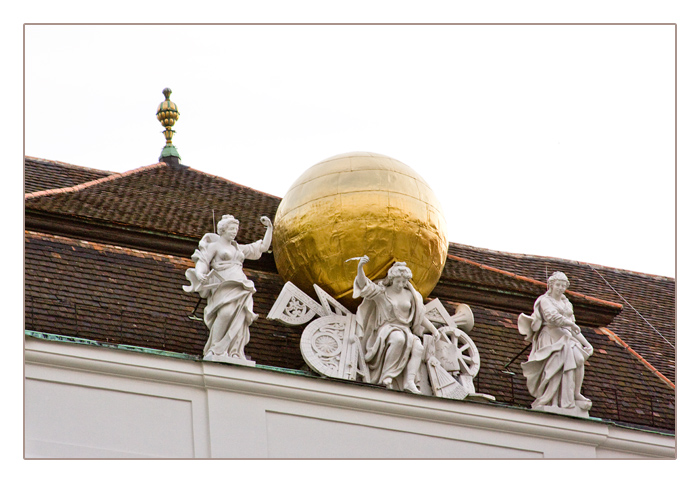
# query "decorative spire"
(167, 115)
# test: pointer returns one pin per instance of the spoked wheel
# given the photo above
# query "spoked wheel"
(465, 350)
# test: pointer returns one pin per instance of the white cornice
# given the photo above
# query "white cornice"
(110, 363)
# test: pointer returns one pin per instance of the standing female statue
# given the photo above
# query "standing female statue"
(554, 370)
(218, 276)
(392, 317)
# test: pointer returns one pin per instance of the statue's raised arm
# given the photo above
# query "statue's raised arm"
(392, 315)
(218, 276)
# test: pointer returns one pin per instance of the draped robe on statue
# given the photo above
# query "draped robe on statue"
(556, 353)
(379, 317)
(229, 293)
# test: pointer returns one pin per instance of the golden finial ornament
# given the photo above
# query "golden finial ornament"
(167, 115)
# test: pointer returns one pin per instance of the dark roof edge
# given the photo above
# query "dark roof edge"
(113, 234)
(510, 301)
(590, 311)
(124, 236)
(69, 165)
(612, 305)
(80, 187)
(562, 260)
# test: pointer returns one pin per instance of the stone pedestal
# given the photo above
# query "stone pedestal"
(229, 360)
(580, 410)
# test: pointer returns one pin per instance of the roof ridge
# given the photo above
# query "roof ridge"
(69, 165)
(232, 182)
(616, 338)
(498, 270)
(536, 282)
(82, 186)
(102, 246)
(566, 260)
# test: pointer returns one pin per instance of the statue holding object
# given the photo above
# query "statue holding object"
(555, 367)
(218, 277)
(394, 340)
(392, 317)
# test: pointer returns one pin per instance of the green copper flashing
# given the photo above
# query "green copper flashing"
(168, 151)
(146, 350)
(132, 348)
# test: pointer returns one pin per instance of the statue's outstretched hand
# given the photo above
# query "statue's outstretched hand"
(266, 221)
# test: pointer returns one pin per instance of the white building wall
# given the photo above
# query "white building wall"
(86, 401)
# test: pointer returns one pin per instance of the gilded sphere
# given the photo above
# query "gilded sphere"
(358, 204)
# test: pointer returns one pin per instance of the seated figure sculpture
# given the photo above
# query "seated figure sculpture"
(555, 367)
(392, 317)
(218, 276)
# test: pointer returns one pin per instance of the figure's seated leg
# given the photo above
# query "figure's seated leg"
(396, 340)
(413, 366)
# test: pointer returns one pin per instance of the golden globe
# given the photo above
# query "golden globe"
(358, 204)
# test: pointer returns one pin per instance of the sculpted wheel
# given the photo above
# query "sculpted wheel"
(467, 353)
(326, 344)
(322, 344)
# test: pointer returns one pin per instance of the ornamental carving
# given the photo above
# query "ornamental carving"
(424, 351)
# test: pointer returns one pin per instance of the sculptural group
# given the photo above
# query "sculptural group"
(394, 340)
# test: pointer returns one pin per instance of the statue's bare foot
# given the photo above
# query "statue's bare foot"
(411, 387)
(387, 382)
(583, 402)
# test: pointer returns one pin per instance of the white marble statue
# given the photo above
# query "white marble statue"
(218, 276)
(555, 367)
(380, 344)
(392, 317)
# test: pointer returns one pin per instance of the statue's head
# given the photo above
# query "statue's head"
(557, 277)
(227, 222)
(398, 271)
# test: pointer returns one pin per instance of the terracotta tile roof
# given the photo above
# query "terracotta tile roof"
(119, 295)
(99, 291)
(159, 198)
(652, 296)
(468, 272)
(43, 174)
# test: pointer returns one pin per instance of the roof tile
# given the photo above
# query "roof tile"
(43, 174)
(126, 296)
(653, 296)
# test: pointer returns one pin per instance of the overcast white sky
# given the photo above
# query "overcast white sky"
(553, 140)
(547, 140)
